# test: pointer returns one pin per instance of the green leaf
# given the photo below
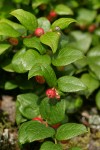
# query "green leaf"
(53, 113)
(37, 3)
(24, 60)
(26, 18)
(70, 130)
(93, 58)
(33, 131)
(44, 70)
(7, 30)
(86, 16)
(50, 146)
(70, 84)
(62, 23)
(44, 23)
(9, 85)
(68, 55)
(80, 64)
(91, 83)
(21, 29)
(34, 42)
(97, 99)
(19, 117)
(28, 105)
(73, 104)
(4, 47)
(7, 65)
(62, 9)
(51, 39)
(80, 39)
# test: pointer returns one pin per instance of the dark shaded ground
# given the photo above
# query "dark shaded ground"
(9, 137)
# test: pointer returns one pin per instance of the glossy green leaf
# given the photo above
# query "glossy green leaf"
(97, 99)
(51, 39)
(68, 55)
(62, 23)
(44, 70)
(37, 3)
(4, 47)
(21, 29)
(34, 42)
(50, 146)
(24, 60)
(70, 130)
(53, 113)
(33, 131)
(7, 30)
(19, 117)
(70, 84)
(28, 105)
(26, 18)
(62, 9)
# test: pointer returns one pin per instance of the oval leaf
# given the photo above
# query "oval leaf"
(62, 23)
(9, 85)
(68, 55)
(46, 71)
(70, 130)
(4, 47)
(63, 10)
(27, 19)
(37, 3)
(24, 60)
(34, 42)
(52, 113)
(33, 131)
(21, 29)
(50, 146)
(90, 82)
(51, 39)
(70, 84)
(93, 58)
(19, 117)
(28, 105)
(44, 23)
(7, 30)
(97, 99)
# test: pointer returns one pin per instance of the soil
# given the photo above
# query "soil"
(9, 129)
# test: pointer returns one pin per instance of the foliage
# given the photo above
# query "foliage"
(65, 57)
